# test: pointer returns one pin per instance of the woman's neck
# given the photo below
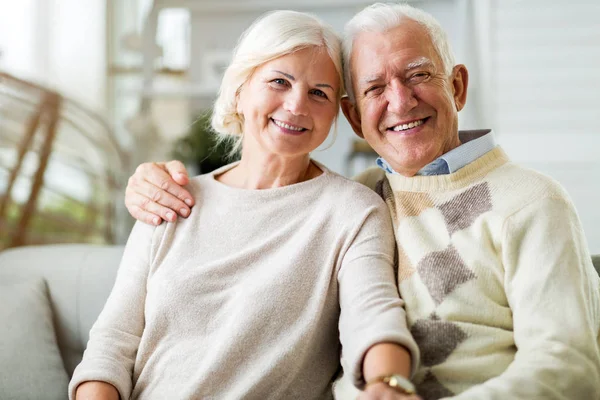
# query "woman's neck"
(260, 172)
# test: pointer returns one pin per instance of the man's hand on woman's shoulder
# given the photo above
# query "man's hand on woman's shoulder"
(154, 192)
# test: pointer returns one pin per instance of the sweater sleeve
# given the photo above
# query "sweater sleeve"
(371, 311)
(115, 336)
(553, 292)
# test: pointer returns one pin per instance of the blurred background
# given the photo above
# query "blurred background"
(91, 88)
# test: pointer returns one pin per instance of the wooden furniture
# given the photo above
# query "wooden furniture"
(60, 168)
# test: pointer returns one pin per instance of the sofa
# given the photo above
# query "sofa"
(49, 298)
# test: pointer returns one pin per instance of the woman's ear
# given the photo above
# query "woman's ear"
(352, 114)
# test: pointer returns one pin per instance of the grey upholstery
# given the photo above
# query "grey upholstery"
(596, 261)
(79, 278)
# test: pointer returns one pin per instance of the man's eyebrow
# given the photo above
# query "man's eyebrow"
(419, 63)
(371, 78)
(292, 78)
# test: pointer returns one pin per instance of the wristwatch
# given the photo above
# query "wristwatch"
(397, 382)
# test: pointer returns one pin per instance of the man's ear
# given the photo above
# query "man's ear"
(460, 83)
(352, 115)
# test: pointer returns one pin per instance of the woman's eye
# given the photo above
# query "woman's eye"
(319, 93)
(279, 81)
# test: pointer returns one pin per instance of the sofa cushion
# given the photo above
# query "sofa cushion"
(79, 278)
(30, 360)
(596, 262)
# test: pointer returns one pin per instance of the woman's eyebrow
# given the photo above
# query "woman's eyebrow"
(292, 78)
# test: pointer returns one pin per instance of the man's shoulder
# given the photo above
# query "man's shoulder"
(528, 182)
(370, 177)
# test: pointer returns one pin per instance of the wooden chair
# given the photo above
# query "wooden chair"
(61, 168)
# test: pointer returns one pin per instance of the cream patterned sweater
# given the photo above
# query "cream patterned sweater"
(249, 297)
(500, 292)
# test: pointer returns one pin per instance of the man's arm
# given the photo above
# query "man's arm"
(154, 192)
(553, 292)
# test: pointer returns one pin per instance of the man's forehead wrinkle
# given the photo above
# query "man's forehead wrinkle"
(416, 63)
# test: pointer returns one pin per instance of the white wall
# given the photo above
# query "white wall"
(541, 61)
(215, 30)
(58, 43)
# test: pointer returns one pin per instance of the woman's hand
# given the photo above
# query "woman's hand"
(154, 192)
(381, 391)
(96, 390)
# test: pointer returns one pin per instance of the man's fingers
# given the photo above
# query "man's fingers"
(144, 216)
(137, 202)
(140, 199)
(178, 172)
(157, 195)
(162, 179)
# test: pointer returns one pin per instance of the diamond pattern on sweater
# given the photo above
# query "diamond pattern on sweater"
(404, 204)
(405, 268)
(461, 211)
(384, 190)
(431, 389)
(437, 339)
(442, 271)
(412, 204)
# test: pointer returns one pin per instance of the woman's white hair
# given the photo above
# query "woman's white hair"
(381, 17)
(271, 36)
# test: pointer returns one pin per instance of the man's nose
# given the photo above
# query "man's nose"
(401, 98)
(296, 103)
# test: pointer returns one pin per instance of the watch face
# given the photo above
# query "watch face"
(397, 381)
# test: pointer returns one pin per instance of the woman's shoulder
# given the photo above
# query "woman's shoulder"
(350, 192)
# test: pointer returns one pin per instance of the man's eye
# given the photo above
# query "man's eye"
(374, 90)
(419, 77)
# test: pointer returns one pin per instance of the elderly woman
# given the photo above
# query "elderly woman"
(281, 261)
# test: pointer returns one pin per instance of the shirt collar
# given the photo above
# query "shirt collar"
(475, 143)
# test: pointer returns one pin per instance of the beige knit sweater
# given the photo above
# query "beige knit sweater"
(250, 296)
(500, 292)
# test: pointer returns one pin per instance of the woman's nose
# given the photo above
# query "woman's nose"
(296, 103)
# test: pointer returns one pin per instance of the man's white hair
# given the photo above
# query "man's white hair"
(382, 17)
(273, 35)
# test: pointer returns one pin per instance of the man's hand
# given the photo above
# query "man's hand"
(154, 192)
(381, 391)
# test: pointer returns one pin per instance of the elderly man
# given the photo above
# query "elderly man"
(492, 261)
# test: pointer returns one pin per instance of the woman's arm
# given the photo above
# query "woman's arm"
(373, 330)
(386, 359)
(115, 336)
(96, 390)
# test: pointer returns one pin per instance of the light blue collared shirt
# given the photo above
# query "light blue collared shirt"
(475, 143)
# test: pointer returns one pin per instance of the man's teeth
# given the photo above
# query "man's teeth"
(286, 126)
(410, 125)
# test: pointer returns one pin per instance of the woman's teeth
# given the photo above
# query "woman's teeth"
(286, 126)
